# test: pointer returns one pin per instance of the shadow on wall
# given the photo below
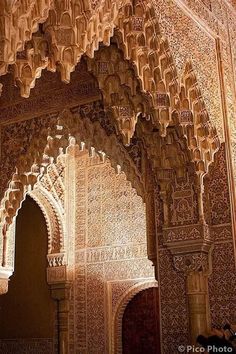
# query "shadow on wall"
(27, 310)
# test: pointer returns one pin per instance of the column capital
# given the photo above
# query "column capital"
(59, 282)
(191, 247)
(4, 279)
(61, 291)
(193, 262)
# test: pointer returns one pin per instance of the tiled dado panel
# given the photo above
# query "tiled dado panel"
(29, 346)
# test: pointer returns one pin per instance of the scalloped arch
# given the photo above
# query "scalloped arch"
(70, 131)
(54, 219)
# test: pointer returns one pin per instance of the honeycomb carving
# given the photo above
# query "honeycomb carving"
(70, 30)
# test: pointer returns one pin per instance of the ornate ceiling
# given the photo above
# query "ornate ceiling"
(142, 81)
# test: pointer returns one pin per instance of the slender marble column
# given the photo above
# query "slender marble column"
(198, 303)
(61, 293)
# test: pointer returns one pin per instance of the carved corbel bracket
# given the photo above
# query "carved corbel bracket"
(163, 108)
(126, 122)
(191, 247)
(4, 279)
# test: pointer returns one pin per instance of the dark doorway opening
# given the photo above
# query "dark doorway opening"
(27, 310)
(141, 324)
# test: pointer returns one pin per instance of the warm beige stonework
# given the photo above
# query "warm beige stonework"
(150, 85)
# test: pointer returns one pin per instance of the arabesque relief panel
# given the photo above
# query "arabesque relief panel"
(223, 276)
(110, 246)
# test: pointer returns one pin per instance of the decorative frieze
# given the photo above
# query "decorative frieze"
(54, 100)
(105, 254)
(186, 233)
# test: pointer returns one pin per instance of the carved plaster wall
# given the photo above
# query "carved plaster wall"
(223, 277)
(110, 251)
(84, 197)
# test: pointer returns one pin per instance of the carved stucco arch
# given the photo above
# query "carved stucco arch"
(55, 224)
(55, 231)
(120, 309)
(53, 218)
(70, 131)
(70, 30)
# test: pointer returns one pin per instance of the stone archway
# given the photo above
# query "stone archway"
(166, 100)
(120, 309)
(36, 166)
(47, 187)
(141, 323)
(94, 133)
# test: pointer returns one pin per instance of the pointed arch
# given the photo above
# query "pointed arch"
(55, 229)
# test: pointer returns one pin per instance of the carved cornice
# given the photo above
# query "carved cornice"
(56, 259)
